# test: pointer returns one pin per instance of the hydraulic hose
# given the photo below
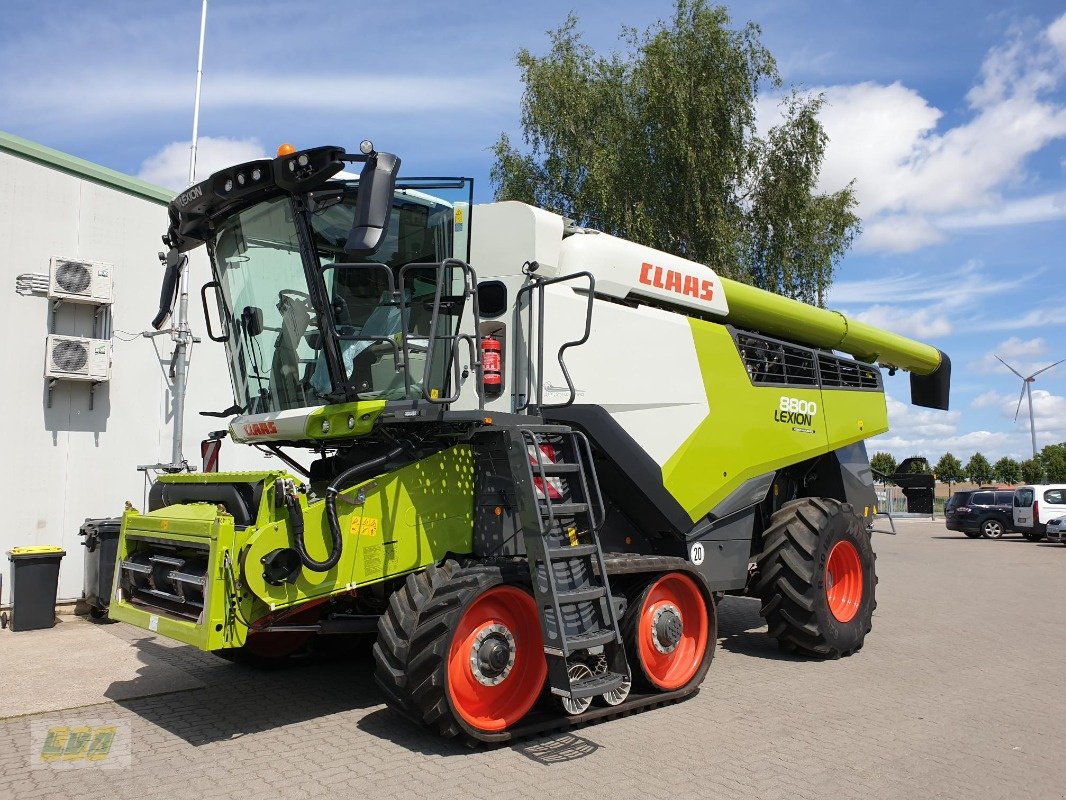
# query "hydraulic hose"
(292, 504)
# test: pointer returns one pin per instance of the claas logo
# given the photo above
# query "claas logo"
(78, 743)
(673, 281)
(260, 428)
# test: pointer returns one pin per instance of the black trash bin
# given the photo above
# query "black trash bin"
(101, 550)
(34, 585)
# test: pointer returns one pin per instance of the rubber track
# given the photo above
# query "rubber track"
(421, 616)
(786, 581)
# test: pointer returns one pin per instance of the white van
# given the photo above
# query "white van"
(1035, 506)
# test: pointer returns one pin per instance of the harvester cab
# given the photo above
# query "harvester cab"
(531, 481)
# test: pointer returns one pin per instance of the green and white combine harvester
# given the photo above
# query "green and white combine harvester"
(536, 455)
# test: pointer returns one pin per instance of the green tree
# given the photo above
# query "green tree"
(1053, 460)
(658, 144)
(1007, 470)
(1032, 471)
(918, 466)
(885, 464)
(978, 469)
(949, 470)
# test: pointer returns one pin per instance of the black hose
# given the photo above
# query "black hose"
(296, 516)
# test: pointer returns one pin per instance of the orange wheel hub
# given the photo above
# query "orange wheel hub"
(843, 581)
(496, 666)
(673, 632)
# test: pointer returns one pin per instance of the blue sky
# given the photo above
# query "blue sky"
(950, 116)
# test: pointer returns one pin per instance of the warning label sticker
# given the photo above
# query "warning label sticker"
(364, 526)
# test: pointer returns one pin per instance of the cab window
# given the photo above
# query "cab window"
(1054, 497)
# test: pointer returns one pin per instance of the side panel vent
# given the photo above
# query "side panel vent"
(772, 362)
(842, 373)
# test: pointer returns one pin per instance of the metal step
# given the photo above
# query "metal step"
(596, 685)
(563, 509)
(591, 639)
(581, 595)
(560, 469)
(577, 551)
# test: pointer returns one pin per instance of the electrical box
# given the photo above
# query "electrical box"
(75, 358)
(77, 281)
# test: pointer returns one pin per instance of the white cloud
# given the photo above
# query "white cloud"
(915, 181)
(1041, 208)
(921, 323)
(1019, 353)
(1037, 318)
(898, 233)
(930, 433)
(170, 166)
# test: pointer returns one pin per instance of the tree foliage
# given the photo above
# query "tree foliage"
(658, 144)
(1032, 471)
(1007, 470)
(1053, 460)
(883, 463)
(978, 469)
(949, 470)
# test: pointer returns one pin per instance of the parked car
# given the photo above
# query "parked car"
(1035, 506)
(985, 511)
(1056, 530)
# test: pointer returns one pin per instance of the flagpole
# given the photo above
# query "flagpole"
(182, 335)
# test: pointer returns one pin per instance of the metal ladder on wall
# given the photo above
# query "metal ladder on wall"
(561, 509)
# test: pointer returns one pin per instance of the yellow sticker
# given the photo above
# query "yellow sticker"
(571, 534)
(364, 526)
(458, 216)
(434, 393)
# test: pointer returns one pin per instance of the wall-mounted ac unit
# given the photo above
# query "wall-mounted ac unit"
(74, 358)
(81, 281)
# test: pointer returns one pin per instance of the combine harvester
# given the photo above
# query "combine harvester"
(533, 481)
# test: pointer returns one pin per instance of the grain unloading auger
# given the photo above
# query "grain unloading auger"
(533, 481)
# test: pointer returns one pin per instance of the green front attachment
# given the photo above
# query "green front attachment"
(189, 572)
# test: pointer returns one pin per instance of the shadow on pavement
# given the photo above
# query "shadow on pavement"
(239, 700)
(742, 630)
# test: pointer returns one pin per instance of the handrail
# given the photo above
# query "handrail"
(540, 284)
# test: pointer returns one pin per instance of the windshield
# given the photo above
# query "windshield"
(273, 333)
(274, 343)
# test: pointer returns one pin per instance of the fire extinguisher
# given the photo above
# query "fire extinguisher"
(492, 365)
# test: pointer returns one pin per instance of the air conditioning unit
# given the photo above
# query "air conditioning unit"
(74, 358)
(81, 281)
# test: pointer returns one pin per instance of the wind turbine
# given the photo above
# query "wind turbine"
(1027, 389)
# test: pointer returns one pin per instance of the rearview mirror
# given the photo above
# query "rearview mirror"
(373, 204)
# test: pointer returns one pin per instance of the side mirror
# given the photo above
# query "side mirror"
(373, 205)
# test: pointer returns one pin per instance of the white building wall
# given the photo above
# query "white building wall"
(67, 462)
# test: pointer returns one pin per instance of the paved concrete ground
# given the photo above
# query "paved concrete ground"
(959, 693)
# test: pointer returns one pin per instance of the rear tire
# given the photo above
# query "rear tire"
(992, 529)
(434, 624)
(817, 579)
(1033, 537)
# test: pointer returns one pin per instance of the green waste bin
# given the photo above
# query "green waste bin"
(34, 585)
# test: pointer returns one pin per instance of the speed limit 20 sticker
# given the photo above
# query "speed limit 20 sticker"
(697, 553)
